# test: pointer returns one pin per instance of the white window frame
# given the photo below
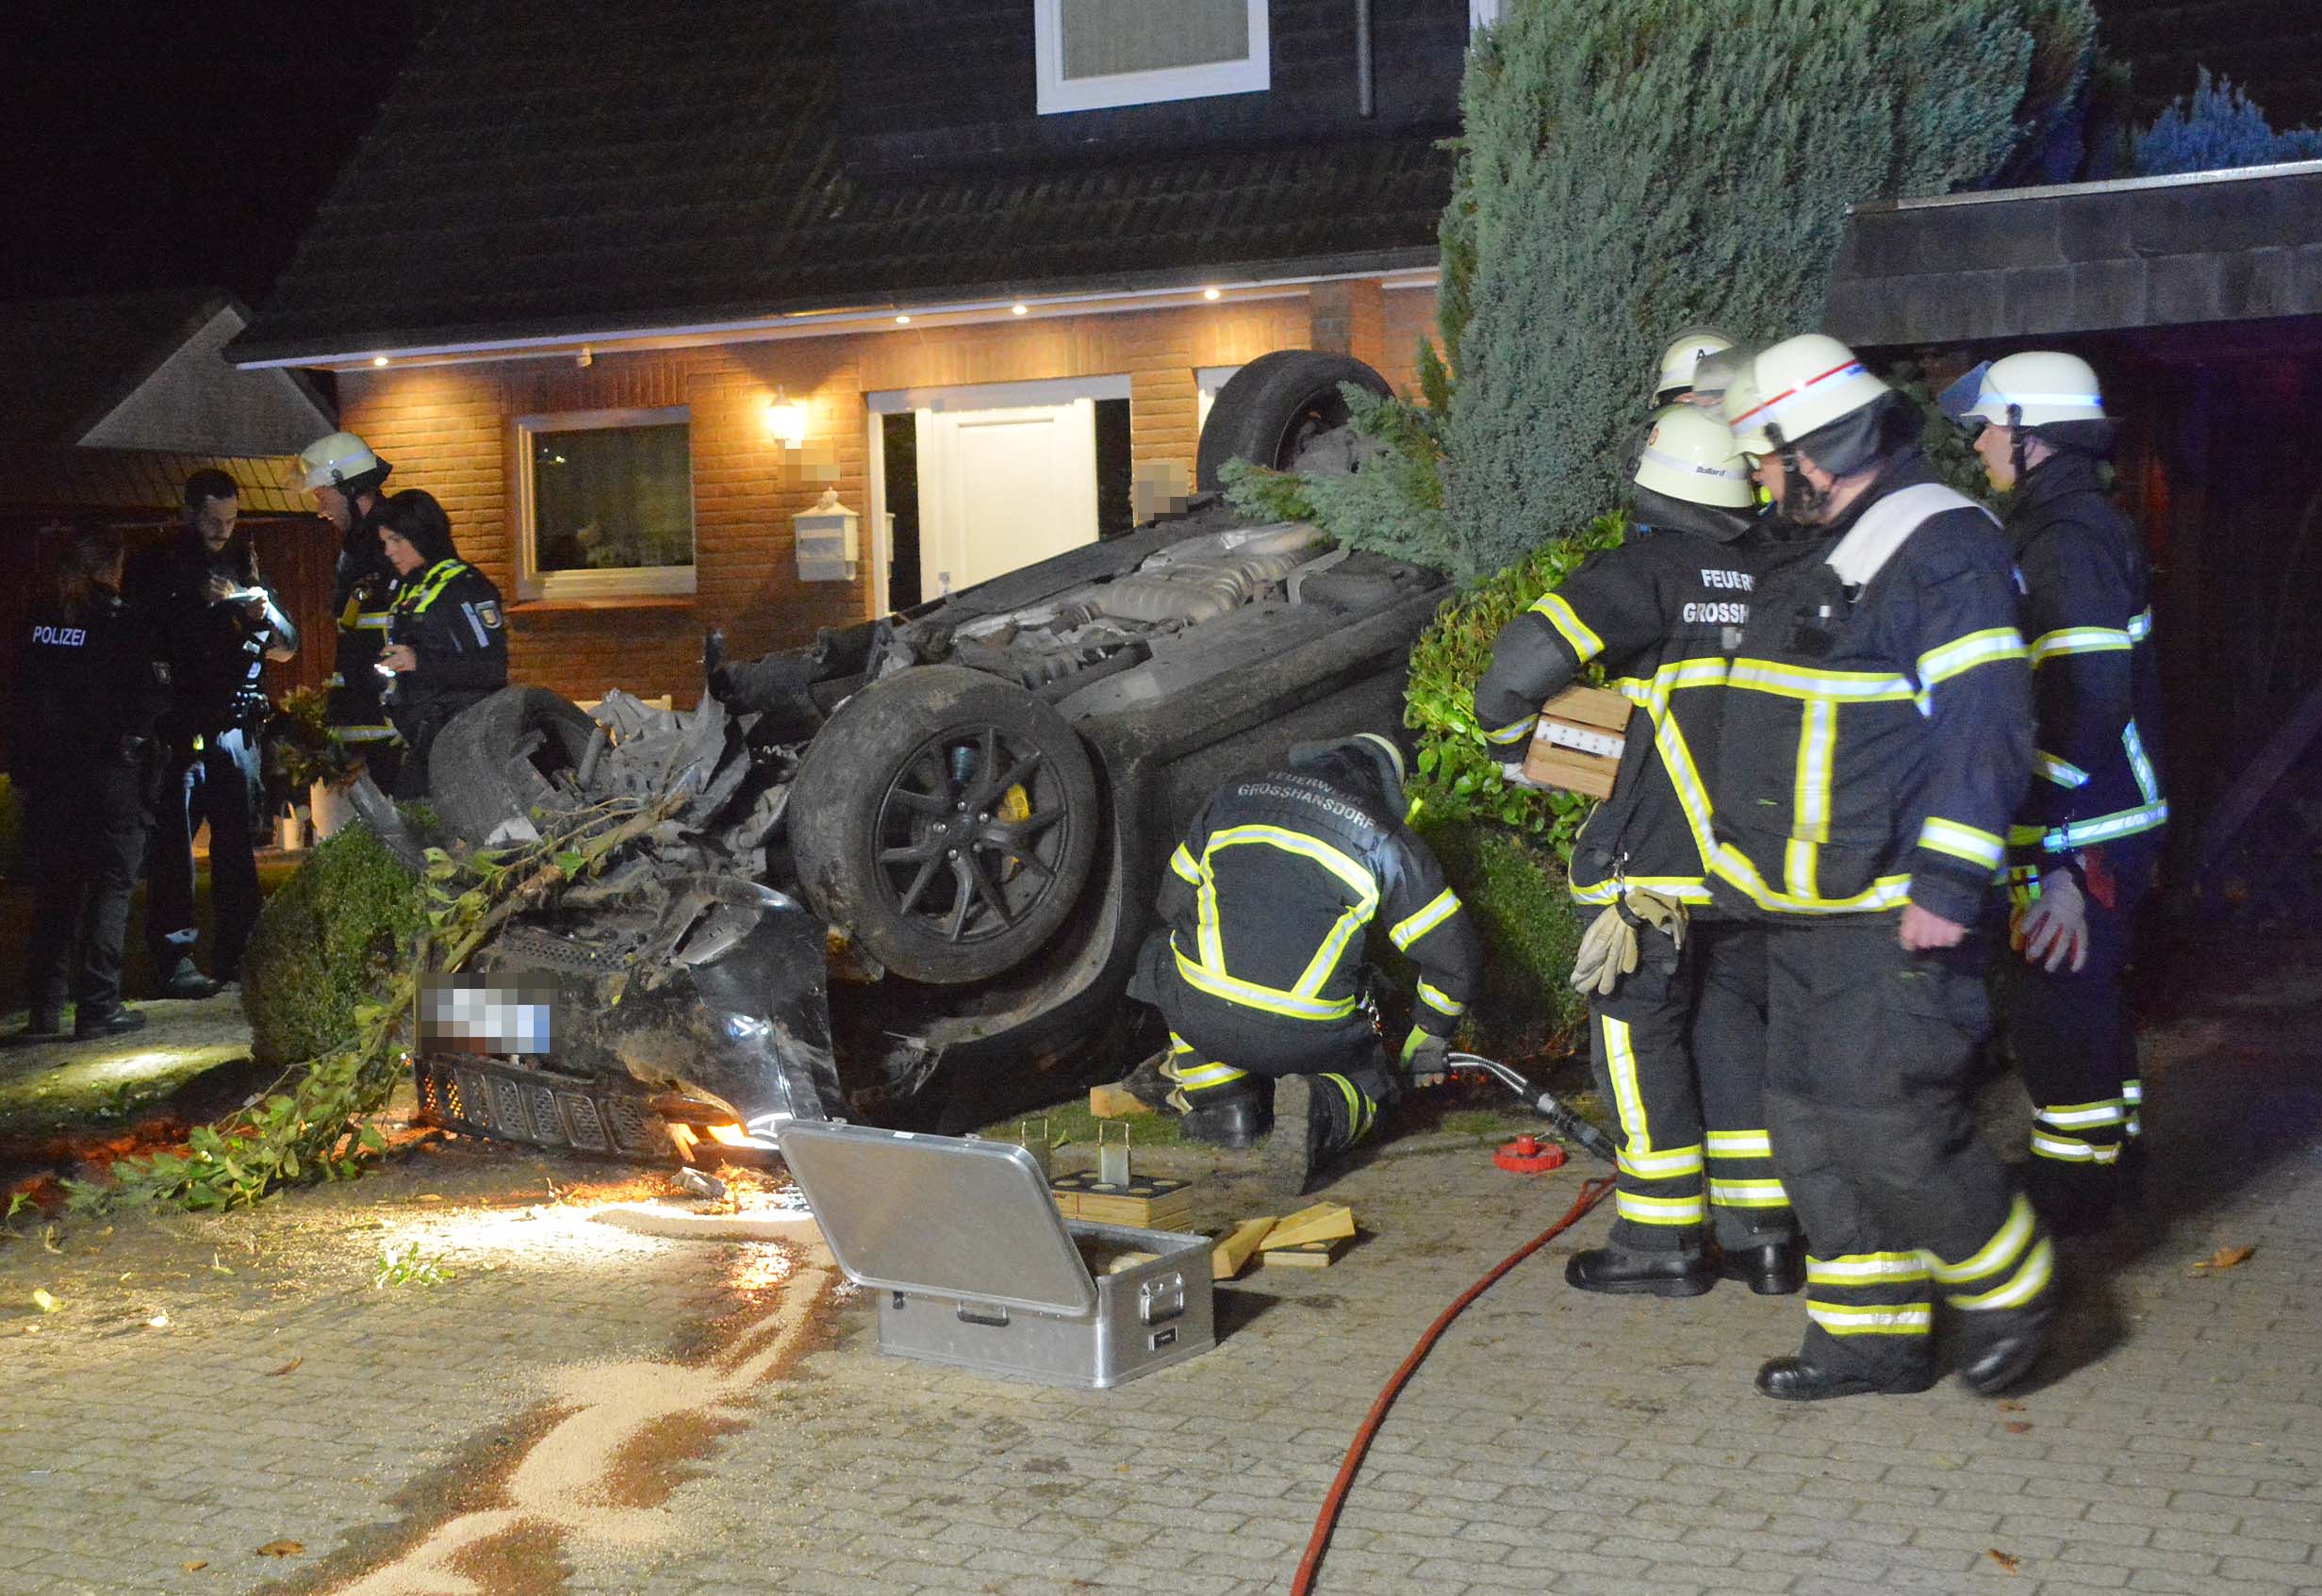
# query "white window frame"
(1057, 94)
(645, 582)
(1481, 14)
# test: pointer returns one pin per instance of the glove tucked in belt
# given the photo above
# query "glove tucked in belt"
(1608, 947)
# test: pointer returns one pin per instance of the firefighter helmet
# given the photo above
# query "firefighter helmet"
(1683, 354)
(343, 461)
(1797, 387)
(1689, 455)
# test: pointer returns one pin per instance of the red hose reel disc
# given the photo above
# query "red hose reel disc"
(1528, 1155)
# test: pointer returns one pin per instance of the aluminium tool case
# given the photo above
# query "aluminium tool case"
(970, 1263)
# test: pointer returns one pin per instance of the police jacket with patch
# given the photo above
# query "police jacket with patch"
(449, 615)
(1661, 614)
(216, 652)
(1269, 898)
(91, 685)
(1876, 739)
(362, 599)
(2095, 681)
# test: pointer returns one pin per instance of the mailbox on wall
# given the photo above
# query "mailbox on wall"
(826, 540)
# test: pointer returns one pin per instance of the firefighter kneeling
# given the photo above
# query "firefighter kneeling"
(1259, 970)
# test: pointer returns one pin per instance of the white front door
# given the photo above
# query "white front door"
(1001, 488)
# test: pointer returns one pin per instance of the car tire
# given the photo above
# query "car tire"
(491, 765)
(882, 796)
(1274, 408)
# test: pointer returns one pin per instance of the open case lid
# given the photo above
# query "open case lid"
(939, 1215)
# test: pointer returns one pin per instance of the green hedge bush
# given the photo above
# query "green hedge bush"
(330, 938)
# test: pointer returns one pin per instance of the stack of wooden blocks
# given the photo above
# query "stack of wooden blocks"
(1149, 1202)
(1310, 1239)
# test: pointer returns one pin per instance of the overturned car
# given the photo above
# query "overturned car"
(900, 875)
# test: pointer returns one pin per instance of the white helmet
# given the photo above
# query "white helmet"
(2031, 390)
(342, 461)
(1689, 455)
(1682, 353)
(1794, 388)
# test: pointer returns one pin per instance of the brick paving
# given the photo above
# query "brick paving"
(1554, 1441)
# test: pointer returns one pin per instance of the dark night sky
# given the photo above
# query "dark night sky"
(152, 146)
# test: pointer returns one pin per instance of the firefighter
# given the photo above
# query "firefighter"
(1258, 967)
(345, 479)
(1675, 382)
(1660, 613)
(2086, 846)
(90, 688)
(1874, 747)
(217, 624)
(447, 639)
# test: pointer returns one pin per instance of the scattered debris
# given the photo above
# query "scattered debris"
(2017, 1426)
(2224, 1259)
(1112, 1102)
(695, 1183)
(2010, 1563)
(405, 1268)
(281, 1549)
(218, 1268)
(48, 1239)
(196, 1566)
(273, 1373)
(159, 1321)
(47, 1304)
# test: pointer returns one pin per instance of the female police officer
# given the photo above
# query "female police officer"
(447, 640)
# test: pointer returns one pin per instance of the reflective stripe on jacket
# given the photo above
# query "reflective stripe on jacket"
(1877, 741)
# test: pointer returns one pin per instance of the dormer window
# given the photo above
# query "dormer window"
(1098, 53)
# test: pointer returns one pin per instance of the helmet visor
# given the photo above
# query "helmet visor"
(1959, 399)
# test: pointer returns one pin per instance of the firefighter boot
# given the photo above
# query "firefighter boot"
(1672, 1273)
(1999, 1346)
(1215, 1103)
(1316, 1118)
(1774, 1267)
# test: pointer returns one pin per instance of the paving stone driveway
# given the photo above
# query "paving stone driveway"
(1554, 1442)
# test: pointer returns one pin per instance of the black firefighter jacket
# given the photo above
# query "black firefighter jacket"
(1876, 741)
(1270, 898)
(1663, 613)
(450, 615)
(2095, 681)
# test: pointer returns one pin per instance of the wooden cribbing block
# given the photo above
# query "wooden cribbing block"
(1114, 1102)
(1147, 1201)
(1233, 1249)
(1306, 1255)
(1576, 745)
(1324, 1221)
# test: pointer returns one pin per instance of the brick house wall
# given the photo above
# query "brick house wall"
(448, 429)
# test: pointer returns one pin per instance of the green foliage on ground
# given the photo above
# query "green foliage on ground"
(333, 938)
(1458, 772)
(1633, 167)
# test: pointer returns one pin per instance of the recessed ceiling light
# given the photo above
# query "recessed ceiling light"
(902, 321)
(1018, 309)
(1209, 293)
(378, 360)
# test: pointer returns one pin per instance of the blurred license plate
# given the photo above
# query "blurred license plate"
(471, 1014)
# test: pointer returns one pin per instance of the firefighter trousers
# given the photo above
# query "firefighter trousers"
(1679, 1053)
(2070, 1034)
(1870, 1063)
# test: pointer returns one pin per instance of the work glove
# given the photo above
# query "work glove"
(1608, 947)
(1426, 1059)
(2053, 931)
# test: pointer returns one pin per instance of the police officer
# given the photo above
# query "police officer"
(218, 624)
(1660, 613)
(1267, 907)
(90, 687)
(345, 479)
(1875, 745)
(2086, 846)
(447, 640)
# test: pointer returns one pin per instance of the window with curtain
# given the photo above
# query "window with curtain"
(1098, 53)
(609, 503)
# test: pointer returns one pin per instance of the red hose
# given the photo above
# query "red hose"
(1591, 1194)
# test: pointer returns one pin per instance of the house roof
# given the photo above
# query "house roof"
(551, 168)
(2150, 251)
(62, 480)
(65, 364)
